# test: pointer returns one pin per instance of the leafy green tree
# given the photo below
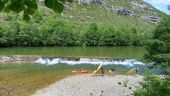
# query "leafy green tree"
(91, 37)
(169, 7)
(59, 33)
(28, 7)
(29, 36)
(153, 86)
(158, 52)
(159, 47)
(107, 37)
(123, 37)
(3, 41)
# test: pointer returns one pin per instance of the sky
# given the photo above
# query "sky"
(161, 5)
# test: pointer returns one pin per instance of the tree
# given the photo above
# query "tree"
(159, 48)
(153, 85)
(91, 37)
(169, 7)
(28, 7)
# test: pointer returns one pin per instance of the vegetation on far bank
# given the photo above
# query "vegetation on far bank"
(78, 25)
(53, 32)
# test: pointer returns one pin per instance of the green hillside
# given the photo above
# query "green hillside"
(116, 22)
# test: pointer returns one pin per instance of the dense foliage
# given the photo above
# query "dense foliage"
(159, 53)
(154, 86)
(159, 47)
(28, 7)
(75, 25)
(169, 7)
(55, 32)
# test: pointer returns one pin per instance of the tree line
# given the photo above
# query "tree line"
(60, 33)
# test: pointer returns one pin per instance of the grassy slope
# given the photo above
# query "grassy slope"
(80, 16)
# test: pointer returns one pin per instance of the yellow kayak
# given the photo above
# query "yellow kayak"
(131, 71)
(74, 71)
(95, 71)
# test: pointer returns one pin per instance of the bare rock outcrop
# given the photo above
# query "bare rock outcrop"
(122, 11)
(101, 2)
(139, 6)
(153, 19)
(18, 58)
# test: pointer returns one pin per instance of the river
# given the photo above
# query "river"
(118, 56)
(77, 51)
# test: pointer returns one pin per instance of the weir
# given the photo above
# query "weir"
(127, 63)
(104, 61)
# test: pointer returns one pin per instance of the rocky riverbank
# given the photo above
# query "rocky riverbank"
(85, 85)
(18, 58)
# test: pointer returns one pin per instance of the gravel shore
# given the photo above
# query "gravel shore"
(85, 85)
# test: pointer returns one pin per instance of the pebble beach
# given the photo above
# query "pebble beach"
(86, 85)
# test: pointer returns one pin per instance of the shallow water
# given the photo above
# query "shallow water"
(111, 52)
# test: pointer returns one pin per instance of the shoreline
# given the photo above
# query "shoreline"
(85, 85)
(34, 58)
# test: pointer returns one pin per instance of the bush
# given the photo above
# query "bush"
(49, 31)
(169, 7)
(154, 86)
(107, 37)
(59, 33)
(28, 36)
(159, 47)
(91, 36)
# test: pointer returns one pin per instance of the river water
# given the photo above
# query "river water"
(126, 57)
(98, 52)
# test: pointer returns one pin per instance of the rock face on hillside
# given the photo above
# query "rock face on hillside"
(153, 19)
(139, 6)
(132, 8)
(122, 11)
(101, 2)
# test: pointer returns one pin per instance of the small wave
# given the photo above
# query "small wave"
(73, 61)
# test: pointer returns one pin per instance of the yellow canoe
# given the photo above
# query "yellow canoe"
(95, 71)
(131, 71)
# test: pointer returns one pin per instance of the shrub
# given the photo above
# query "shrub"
(159, 47)
(107, 37)
(91, 36)
(59, 33)
(154, 86)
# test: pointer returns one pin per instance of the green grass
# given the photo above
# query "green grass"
(25, 79)
(99, 14)
(80, 16)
